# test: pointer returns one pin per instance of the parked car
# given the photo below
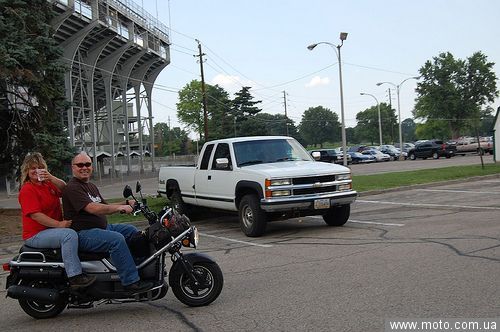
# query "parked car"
(391, 151)
(359, 158)
(357, 148)
(331, 156)
(341, 156)
(406, 146)
(432, 148)
(380, 156)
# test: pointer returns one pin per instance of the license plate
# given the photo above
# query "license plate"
(323, 203)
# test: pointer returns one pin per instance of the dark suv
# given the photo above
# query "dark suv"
(432, 148)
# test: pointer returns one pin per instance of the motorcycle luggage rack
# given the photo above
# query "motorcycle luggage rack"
(31, 255)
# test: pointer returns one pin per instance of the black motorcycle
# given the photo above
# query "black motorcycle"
(38, 280)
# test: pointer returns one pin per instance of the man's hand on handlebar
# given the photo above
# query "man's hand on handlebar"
(125, 209)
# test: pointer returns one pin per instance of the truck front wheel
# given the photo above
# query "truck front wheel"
(253, 220)
(337, 216)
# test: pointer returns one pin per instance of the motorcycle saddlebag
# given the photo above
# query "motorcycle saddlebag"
(139, 244)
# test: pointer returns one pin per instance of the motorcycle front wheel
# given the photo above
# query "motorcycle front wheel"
(41, 310)
(210, 284)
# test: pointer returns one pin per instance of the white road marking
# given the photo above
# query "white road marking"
(432, 205)
(460, 191)
(364, 222)
(375, 223)
(237, 241)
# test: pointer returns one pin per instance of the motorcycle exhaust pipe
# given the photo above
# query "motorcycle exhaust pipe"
(43, 295)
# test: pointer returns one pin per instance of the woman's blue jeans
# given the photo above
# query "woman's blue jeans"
(64, 238)
(112, 240)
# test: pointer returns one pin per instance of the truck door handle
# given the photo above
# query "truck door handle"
(210, 177)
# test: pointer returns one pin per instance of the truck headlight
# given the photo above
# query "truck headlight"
(342, 177)
(280, 182)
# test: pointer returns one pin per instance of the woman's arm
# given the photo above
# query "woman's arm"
(45, 220)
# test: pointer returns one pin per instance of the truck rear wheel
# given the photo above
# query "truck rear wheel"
(435, 155)
(253, 220)
(337, 216)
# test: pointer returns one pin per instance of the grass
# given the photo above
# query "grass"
(398, 179)
(363, 183)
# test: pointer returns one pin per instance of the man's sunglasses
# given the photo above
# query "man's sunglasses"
(82, 165)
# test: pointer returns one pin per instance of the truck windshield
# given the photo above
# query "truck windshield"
(268, 151)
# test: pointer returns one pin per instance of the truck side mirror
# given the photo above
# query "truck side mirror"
(221, 163)
(316, 155)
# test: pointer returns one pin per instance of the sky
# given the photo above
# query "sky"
(263, 44)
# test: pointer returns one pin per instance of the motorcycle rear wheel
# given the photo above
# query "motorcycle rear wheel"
(40, 310)
(211, 278)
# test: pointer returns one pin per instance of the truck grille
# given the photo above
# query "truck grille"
(308, 191)
(313, 179)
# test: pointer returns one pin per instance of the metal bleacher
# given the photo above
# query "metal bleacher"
(114, 50)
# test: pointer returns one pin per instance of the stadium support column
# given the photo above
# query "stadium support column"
(148, 85)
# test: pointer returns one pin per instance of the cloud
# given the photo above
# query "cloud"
(316, 81)
(230, 83)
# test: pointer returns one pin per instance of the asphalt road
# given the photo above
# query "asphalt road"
(425, 253)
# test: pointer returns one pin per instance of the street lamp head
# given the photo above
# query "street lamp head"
(343, 36)
(362, 93)
(312, 46)
(379, 83)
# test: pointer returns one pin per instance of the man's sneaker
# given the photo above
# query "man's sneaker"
(81, 281)
(139, 286)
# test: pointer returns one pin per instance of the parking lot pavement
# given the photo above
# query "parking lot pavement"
(423, 252)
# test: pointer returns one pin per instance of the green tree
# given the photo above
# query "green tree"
(432, 129)
(242, 109)
(170, 141)
(408, 127)
(243, 104)
(367, 129)
(190, 107)
(31, 87)
(268, 124)
(454, 91)
(221, 121)
(319, 125)
(190, 110)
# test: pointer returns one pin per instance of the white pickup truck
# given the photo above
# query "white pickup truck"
(263, 178)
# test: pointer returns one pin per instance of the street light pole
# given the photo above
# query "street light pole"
(399, 111)
(379, 120)
(343, 36)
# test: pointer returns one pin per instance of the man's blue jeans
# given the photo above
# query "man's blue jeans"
(112, 240)
(64, 238)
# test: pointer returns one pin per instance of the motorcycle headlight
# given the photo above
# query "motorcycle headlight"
(196, 236)
(193, 238)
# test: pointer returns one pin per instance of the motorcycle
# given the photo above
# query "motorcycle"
(38, 281)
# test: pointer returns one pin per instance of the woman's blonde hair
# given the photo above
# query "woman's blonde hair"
(34, 159)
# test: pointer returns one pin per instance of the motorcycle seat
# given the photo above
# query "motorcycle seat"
(54, 254)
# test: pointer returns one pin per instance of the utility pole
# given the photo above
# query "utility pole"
(169, 138)
(390, 108)
(286, 117)
(204, 95)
